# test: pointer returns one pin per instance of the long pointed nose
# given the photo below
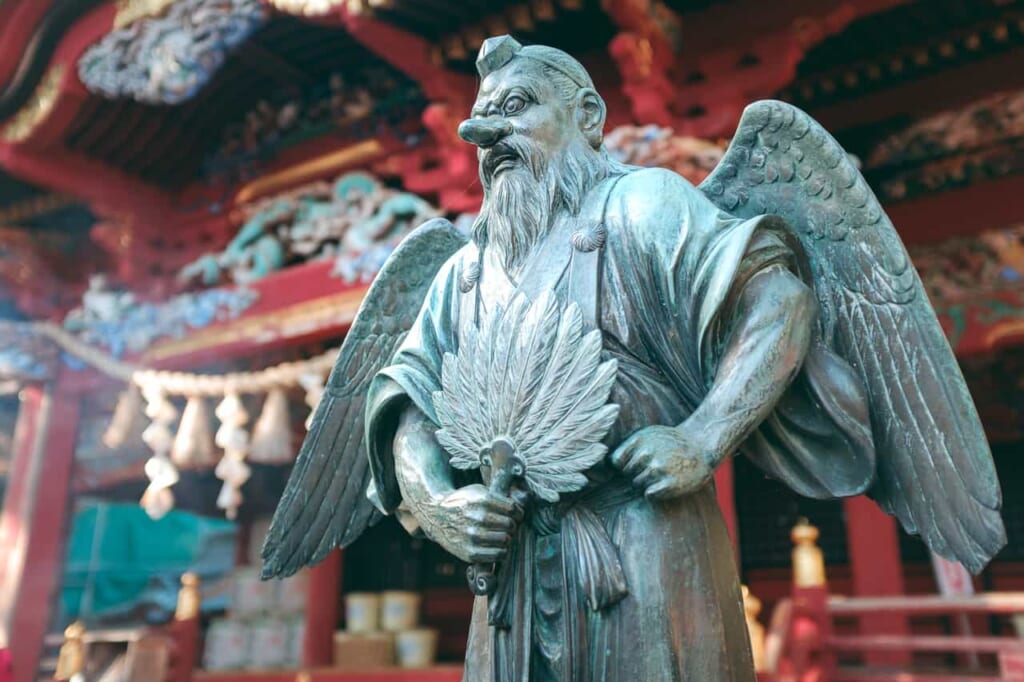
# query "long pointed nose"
(484, 132)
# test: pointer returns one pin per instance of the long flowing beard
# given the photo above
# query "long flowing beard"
(519, 204)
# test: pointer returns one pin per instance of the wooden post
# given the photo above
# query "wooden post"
(185, 630)
(812, 624)
(725, 488)
(322, 612)
(35, 521)
(874, 549)
(12, 539)
(71, 662)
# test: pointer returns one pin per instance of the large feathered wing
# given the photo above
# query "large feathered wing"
(324, 505)
(934, 466)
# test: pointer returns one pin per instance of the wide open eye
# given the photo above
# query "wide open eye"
(513, 105)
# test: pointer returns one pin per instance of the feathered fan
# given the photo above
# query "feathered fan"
(527, 398)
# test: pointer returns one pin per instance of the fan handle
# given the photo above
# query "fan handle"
(506, 466)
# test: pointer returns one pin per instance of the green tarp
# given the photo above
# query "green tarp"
(120, 561)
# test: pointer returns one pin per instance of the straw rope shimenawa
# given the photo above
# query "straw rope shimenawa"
(191, 447)
(179, 383)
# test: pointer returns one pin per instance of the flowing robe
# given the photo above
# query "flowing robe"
(608, 585)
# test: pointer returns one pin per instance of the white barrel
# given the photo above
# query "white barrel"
(268, 643)
(226, 646)
(416, 648)
(362, 612)
(399, 611)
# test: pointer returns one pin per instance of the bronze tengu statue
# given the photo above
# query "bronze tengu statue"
(551, 398)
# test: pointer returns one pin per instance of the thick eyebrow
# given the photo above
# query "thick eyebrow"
(531, 92)
(480, 108)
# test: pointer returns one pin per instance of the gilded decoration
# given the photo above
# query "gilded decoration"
(189, 598)
(37, 109)
(305, 172)
(808, 559)
(309, 8)
(129, 11)
(71, 660)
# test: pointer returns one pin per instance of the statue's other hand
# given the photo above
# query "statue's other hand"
(474, 524)
(664, 462)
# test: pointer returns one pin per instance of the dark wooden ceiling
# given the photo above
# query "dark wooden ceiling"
(906, 43)
(167, 145)
(57, 232)
(23, 205)
(689, 6)
(576, 26)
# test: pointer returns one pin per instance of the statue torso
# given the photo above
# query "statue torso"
(579, 275)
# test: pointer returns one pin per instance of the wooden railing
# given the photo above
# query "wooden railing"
(804, 642)
(800, 643)
(161, 654)
(1005, 653)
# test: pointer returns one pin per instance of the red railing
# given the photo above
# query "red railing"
(978, 655)
(816, 637)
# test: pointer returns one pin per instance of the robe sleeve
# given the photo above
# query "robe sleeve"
(412, 377)
(686, 254)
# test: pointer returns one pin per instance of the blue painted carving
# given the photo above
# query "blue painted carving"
(356, 220)
(138, 325)
(168, 59)
(18, 362)
(24, 356)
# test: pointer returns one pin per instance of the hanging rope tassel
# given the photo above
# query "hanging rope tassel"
(193, 445)
(158, 499)
(272, 434)
(232, 468)
(127, 422)
(313, 384)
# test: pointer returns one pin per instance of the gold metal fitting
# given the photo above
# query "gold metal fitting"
(71, 660)
(808, 559)
(189, 598)
(752, 609)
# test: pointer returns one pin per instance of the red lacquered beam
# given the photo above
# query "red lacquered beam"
(299, 304)
(247, 676)
(866, 676)
(438, 674)
(1003, 603)
(449, 673)
(933, 217)
(982, 645)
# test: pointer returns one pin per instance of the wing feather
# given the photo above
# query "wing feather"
(934, 467)
(324, 504)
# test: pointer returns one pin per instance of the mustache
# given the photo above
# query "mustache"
(511, 148)
(516, 211)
